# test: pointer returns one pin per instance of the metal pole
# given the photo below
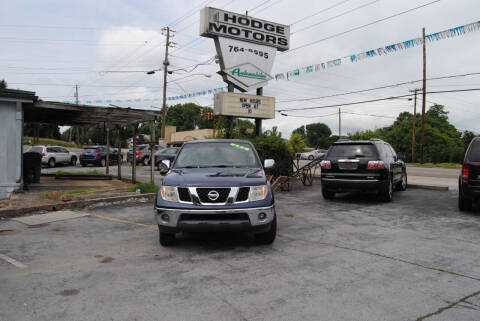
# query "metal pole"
(258, 121)
(134, 154)
(414, 125)
(424, 91)
(152, 156)
(165, 67)
(230, 118)
(107, 168)
(119, 156)
(339, 123)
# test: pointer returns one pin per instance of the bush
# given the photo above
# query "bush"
(144, 188)
(274, 147)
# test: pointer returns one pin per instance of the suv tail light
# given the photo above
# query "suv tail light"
(376, 165)
(138, 153)
(43, 154)
(80, 154)
(96, 154)
(465, 172)
(326, 164)
(149, 157)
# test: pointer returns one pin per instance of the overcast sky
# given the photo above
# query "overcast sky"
(49, 46)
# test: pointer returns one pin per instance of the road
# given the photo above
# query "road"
(352, 258)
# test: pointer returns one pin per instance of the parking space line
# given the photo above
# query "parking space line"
(13, 261)
(113, 219)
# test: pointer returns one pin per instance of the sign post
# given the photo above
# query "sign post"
(246, 48)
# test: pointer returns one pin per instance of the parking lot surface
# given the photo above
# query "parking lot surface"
(353, 258)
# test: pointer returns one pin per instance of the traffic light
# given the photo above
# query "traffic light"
(201, 112)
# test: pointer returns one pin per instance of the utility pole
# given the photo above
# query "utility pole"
(339, 123)
(77, 140)
(414, 124)
(424, 91)
(165, 67)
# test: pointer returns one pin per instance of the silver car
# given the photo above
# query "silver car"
(54, 155)
(314, 154)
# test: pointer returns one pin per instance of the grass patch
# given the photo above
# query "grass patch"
(443, 165)
(49, 141)
(144, 188)
(92, 172)
(77, 191)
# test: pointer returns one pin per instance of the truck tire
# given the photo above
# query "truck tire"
(464, 204)
(268, 237)
(386, 192)
(328, 195)
(402, 185)
(166, 239)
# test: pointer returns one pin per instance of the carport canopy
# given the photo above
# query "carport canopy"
(65, 114)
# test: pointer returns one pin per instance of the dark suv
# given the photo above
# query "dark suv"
(97, 155)
(362, 165)
(469, 180)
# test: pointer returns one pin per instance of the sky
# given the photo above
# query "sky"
(106, 48)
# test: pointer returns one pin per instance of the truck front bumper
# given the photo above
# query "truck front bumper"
(215, 220)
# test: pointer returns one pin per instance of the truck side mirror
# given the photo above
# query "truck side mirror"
(269, 163)
(166, 166)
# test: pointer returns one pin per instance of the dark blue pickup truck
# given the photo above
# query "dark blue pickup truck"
(216, 185)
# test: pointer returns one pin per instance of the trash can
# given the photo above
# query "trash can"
(32, 167)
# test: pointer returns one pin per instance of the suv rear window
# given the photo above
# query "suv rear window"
(352, 150)
(475, 152)
(36, 149)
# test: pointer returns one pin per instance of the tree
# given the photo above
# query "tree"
(301, 131)
(317, 135)
(188, 117)
(3, 84)
(297, 143)
(467, 137)
(273, 132)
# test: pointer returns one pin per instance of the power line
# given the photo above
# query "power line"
(376, 100)
(382, 87)
(335, 17)
(261, 4)
(318, 12)
(360, 27)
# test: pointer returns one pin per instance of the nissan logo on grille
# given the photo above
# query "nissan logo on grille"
(213, 195)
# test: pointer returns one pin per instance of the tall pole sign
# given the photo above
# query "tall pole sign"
(246, 48)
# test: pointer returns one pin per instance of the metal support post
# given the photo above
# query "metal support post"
(424, 91)
(107, 163)
(258, 121)
(119, 159)
(134, 154)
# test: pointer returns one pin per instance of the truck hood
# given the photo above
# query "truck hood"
(215, 177)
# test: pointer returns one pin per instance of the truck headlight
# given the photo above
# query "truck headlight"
(169, 193)
(258, 193)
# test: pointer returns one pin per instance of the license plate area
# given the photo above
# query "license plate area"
(348, 164)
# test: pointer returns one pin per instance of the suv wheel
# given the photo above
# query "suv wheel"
(268, 237)
(103, 162)
(73, 161)
(145, 161)
(166, 239)
(386, 193)
(402, 185)
(464, 204)
(310, 157)
(51, 162)
(328, 195)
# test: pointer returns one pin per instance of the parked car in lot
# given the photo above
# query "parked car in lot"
(362, 165)
(54, 155)
(166, 153)
(314, 154)
(143, 153)
(216, 185)
(469, 180)
(97, 155)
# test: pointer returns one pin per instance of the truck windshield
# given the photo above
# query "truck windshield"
(218, 154)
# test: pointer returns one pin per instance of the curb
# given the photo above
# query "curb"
(92, 203)
(430, 187)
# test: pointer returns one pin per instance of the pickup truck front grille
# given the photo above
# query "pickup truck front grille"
(184, 194)
(242, 195)
(207, 194)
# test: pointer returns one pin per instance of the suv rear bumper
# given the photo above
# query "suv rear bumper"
(470, 191)
(345, 185)
(247, 220)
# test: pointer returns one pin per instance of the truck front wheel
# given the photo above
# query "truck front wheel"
(268, 237)
(166, 239)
